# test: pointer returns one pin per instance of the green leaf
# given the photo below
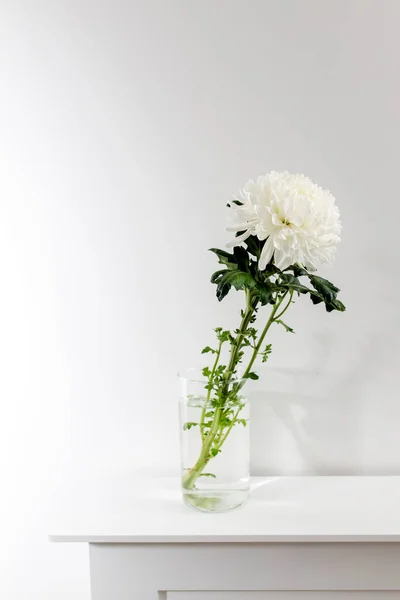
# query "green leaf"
(315, 298)
(219, 370)
(288, 329)
(291, 282)
(225, 258)
(241, 257)
(215, 451)
(335, 305)
(252, 375)
(271, 269)
(253, 245)
(223, 335)
(265, 354)
(264, 292)
(251, 332)
(222, 290)
(327, 290)
(238, 279)
(189, 425)
(208, 349)
(206, 372)
(242, 422)
(298, 270)
(207, 475)
(216, 277)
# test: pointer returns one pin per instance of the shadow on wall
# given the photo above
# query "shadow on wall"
(301, 433)
(311, 422)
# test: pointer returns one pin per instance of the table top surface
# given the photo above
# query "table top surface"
(128, 509)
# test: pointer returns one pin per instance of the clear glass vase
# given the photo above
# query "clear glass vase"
(215, 445)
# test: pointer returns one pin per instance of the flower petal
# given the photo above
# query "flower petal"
(239, 239)
(298, 219)
(266, 253)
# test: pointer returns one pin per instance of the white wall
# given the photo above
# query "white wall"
(124, 128)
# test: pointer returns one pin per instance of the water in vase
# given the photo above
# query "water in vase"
(215, 453)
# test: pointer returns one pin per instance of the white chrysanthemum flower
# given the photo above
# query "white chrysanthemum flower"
(298, 220)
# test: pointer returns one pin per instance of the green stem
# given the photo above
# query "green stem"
(221, 441)
(203, 412)
(190, 477)
(236, 347)
(271, 319)
(287, 305)
(216, 431)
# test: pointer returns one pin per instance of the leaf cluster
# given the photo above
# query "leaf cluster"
(241, 272)
(266, 353)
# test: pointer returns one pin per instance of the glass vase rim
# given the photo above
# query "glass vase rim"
(186, 375)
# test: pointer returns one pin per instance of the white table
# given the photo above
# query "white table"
(298, 538)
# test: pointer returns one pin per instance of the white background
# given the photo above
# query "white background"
(125, 126)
